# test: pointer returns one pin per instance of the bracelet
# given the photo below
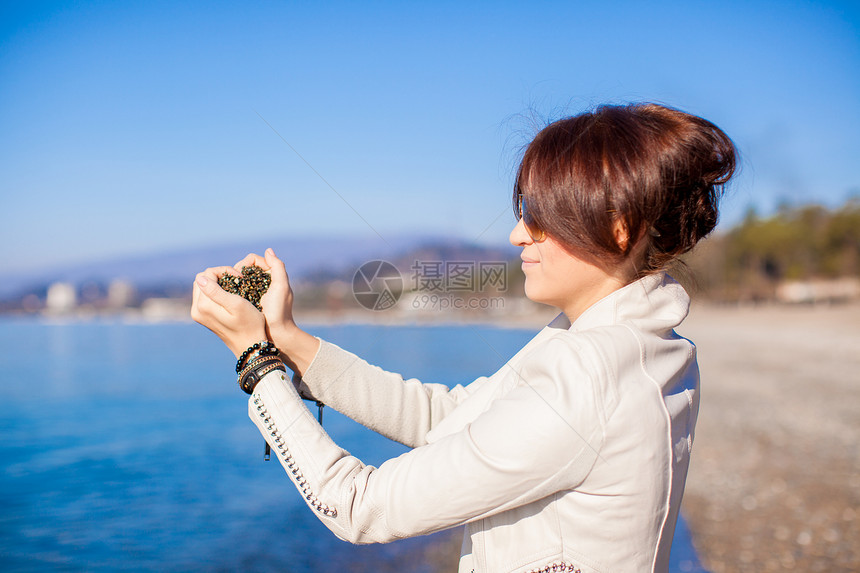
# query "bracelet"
(256, 364)
(252, 357)
(264, 347)
(253, 376)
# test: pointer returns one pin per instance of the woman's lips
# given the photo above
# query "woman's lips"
(527, 262)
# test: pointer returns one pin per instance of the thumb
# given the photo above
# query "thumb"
(276, 265)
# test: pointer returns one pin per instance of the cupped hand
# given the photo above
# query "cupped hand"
(277, 303)
(298, 348)
(232, 318)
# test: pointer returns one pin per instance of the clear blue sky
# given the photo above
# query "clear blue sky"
(128, 127)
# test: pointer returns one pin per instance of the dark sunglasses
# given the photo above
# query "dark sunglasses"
(535, 232)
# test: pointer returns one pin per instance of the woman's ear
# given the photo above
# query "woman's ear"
(622, 236)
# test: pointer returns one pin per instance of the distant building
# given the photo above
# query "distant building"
(61, 298)
(165, 309)
(818, 291)
(121, 294)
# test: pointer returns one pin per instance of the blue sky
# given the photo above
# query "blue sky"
(132, 127)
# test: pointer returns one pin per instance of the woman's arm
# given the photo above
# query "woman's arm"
(402, 410)
(540, 438)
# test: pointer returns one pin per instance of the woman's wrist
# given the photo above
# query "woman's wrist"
(262, 348)
(298, 348)
(239, 343)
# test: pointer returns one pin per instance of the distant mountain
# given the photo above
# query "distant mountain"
(306, 258)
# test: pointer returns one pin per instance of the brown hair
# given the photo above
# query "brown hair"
(658, 171)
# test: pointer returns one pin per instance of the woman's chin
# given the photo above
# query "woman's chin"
(532, 292)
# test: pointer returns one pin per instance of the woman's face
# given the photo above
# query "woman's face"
(556, 277)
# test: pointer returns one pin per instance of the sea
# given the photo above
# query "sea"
(126, 447)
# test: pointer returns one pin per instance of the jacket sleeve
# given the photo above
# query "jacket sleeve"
(541, 437)
(402, 410)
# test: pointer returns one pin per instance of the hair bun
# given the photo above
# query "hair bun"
(697, 166)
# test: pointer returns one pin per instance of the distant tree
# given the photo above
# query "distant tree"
(797, 243)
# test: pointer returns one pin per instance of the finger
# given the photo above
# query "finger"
(252, 259)
(201, 305)
(195, 295)
(276, 265)
(208, 285)
(216, 272)
(203, 309)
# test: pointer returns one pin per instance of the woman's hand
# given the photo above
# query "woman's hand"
(297, 346)
(232, 318)
(277, 303)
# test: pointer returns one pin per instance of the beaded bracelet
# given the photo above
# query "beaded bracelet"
(252, 356)
(264, 347)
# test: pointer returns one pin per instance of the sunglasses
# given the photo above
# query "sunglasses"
(535, 232)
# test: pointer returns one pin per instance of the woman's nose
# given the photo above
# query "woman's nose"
(519, 236)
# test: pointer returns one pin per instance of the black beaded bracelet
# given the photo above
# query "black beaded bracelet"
(265, 348)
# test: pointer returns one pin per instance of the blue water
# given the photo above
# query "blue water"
(127, 447)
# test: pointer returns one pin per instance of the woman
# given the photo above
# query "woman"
(573, 456)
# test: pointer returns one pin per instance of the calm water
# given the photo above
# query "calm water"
(128, 447)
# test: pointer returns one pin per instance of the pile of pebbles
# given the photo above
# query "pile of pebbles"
(251, 285)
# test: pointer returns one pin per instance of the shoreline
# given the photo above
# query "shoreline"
(529, 315)
(537, 316)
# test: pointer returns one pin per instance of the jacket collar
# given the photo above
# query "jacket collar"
(654, 303)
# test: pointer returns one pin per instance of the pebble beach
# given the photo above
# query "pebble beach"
(774, 483)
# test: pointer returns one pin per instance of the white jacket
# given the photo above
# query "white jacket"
(573, 455)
